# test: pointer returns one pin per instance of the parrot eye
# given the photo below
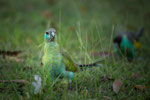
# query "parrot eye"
(47, 33)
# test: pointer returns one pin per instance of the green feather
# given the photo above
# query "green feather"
(68, 62)
(53, 61)
(127, 44)
(128, 48)
(56, 62)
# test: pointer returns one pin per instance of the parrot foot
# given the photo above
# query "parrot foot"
(69, 86)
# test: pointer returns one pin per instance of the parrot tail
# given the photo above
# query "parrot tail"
(91, 64)
(139, 33)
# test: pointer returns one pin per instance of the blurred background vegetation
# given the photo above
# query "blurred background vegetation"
(83, 26)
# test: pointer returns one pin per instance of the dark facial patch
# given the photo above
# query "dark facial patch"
(47, 33)
(118, 40)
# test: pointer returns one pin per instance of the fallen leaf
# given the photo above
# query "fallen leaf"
(9, 53)
(136, 75)
(117, 84)
(16, 59)
(106, 98)
(140, 87)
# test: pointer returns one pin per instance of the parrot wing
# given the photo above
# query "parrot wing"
(68, 62)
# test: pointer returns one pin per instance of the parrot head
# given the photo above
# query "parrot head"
(50, 35)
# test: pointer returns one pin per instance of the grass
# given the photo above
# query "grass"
(83, 27)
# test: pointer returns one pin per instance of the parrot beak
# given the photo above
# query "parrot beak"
(52, 37)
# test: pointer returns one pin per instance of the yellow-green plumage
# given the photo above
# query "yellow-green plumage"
(70, 65)
(53, 61)
(52, 54)
(56, 62)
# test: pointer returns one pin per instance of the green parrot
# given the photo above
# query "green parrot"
(128, 44)
(56, 62)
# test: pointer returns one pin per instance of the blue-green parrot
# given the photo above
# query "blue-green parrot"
(56, 62)
(128, 44)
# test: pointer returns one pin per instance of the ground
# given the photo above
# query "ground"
(83, 27)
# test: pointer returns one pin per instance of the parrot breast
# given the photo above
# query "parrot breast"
(52, 56)
(127, 47)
